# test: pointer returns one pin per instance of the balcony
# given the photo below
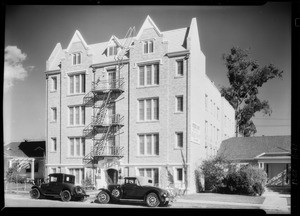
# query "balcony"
(107, 120)
(115, 85)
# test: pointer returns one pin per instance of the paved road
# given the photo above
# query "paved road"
(23, 200)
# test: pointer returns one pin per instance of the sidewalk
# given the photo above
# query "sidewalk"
(274, 202)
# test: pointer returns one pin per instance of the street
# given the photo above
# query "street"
(24, 200)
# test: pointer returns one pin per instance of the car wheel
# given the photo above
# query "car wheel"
(152, 200)
(65, 196)
(116, 193)
(35, 193)
(103, 197)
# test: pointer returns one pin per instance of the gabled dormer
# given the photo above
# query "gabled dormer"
(113, 46)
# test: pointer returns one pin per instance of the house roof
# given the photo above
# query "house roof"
(247, 148)
(25, 149)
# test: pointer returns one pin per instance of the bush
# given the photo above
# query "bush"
(249, 180)
(214, 171)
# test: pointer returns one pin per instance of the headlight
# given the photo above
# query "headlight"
(164, 194)
(78, 190)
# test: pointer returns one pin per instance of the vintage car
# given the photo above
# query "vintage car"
(59, 185)
(135, 188)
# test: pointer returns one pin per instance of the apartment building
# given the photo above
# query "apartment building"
(141, 105)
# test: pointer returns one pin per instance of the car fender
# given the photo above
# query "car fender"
(104, 189)
(37, 187)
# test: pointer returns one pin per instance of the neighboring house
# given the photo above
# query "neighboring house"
(271, 153)
(29, 156)
(141, 105)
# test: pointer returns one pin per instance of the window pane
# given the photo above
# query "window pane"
(179, 175)
(149, 145)
(145, 47)
(77, 84)
(142, 172)
(180, 104)
(142, 76)
(82, 115)
(71, 115)
(82, 83)
(156, 176)
(156, 144)
(77, 115)
(141, 110)
(74, 59)
(72, 147)
(149, 173)
(115, 50)
(78, 58)
(180, 67)
(83, 146)
(71, 84)
(150, 46)
(149, 75)
(77, 146)
(156, 74)
(54, 83)
(148, 109)
(156, 109)
(142, 145)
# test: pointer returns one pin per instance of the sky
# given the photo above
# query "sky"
(31, 33)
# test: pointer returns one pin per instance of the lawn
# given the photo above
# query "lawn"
(225, 198)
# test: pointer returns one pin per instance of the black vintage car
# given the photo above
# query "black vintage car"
(135, 188)
(59, 185)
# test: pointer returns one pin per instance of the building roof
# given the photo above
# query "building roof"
(176, 42)
(247, 148)
(25, 149)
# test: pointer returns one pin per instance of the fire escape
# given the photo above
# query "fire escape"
(105, 125)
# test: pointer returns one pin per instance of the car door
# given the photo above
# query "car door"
(132, 190)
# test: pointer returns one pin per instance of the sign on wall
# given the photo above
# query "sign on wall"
(195, 133)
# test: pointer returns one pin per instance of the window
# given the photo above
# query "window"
(77, 83)
(150, 173)
(76, 147)
(78, 173)
(148, 109)
(112, 50)
(149, 144)
(76, 115)
(179, 174)
(53, 144)
(36, 167)
(53, 83)
(54, 114)
(179, 67)
(179, 139)
(179, 103)
(148, 46)
(149, 75)
(76, 58)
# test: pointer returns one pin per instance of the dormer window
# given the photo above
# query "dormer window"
(148, 46)
(112, 50)
(76, 58)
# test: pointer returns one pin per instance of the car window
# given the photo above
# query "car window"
(53, 179)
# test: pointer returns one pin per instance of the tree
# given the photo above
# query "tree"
(245, 78)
